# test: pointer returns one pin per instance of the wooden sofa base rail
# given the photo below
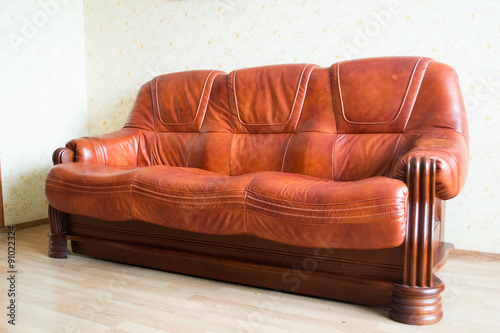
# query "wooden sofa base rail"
(373, 277)
(346, 288)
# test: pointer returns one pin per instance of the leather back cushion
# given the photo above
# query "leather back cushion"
(346, 122)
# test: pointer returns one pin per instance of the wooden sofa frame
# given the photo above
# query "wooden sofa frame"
(402, 278)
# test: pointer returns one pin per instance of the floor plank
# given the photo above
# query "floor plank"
(82, 294)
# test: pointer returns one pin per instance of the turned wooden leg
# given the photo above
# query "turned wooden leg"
(58, 244)
(417, 305)
(417, 300)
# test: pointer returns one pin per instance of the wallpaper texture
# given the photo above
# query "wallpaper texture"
(42, 97)
(129, 42)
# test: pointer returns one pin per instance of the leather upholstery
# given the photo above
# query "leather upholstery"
(92, 189)
(298, 154)
(307, 211)
(191, 199)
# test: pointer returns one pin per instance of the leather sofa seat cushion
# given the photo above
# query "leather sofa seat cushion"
(307, 211)
(284, 207)
(191, 199)
(91, 189)
(183, 198)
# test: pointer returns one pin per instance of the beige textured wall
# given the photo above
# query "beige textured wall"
(128, 42)
(42, 96)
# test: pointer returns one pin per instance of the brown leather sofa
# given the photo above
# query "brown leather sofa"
(319, 181)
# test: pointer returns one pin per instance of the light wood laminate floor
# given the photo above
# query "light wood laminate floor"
(81, 294)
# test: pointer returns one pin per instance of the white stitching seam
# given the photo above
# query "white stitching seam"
(326, 210)
(395, 212)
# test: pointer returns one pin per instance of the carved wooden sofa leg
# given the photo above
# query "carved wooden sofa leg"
(417, 305)
(58, 243)
(418, 300)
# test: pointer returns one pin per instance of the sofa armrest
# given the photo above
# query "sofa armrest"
(63, 155)
(117, 148)
(449, 149)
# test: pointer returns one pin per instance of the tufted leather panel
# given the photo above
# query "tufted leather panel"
(248, 155)
(310, 153)
(268, 99)
(173, 148)
(211, 152)
(359, 156)
(376, 95)
(180, 101)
